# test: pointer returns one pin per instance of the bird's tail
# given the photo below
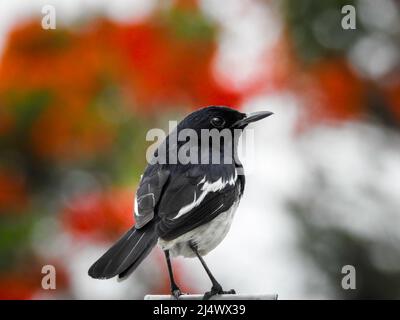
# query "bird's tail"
(125, 255)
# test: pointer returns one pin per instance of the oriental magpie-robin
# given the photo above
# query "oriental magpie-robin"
(186, 208)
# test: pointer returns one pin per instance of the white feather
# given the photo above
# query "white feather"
(206, 237)
(206, 188)
(136, 207)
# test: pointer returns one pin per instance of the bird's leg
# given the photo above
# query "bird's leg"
(175, 291)
(216, 287)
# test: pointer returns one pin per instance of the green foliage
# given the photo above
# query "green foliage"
(316, 28)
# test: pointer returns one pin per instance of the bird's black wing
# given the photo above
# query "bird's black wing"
(148, 194)
(195, 197)
(125, 255)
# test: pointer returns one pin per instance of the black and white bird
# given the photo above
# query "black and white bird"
(187, 209)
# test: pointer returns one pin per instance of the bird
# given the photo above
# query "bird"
(186, 209)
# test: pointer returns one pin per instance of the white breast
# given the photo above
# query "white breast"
(206, 237)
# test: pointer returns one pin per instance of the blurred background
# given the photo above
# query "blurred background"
(76, 103)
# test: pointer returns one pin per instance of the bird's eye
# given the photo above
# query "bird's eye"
(217, 122)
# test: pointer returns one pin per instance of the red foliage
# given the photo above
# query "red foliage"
(13, 193)
(25, 283)
(15, 287)
(99, 214)
(68, 67)
(153, 64)
(165, 69)
(332, 91)
(7, 122)
(393, 97)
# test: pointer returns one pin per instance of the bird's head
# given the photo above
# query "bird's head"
(213, 131)
(220, 118)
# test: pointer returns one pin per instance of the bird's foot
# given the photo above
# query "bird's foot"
(215, 290)
(176, 292)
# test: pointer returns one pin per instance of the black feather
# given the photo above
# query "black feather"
(126, 254)
(213, 204)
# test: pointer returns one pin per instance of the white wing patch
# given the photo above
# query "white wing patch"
(136, 207)
(206, 188)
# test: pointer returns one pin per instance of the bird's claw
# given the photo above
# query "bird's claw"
(176, 293)
(215, 291)
(230, 292)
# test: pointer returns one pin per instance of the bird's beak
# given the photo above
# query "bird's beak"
(251, 117)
